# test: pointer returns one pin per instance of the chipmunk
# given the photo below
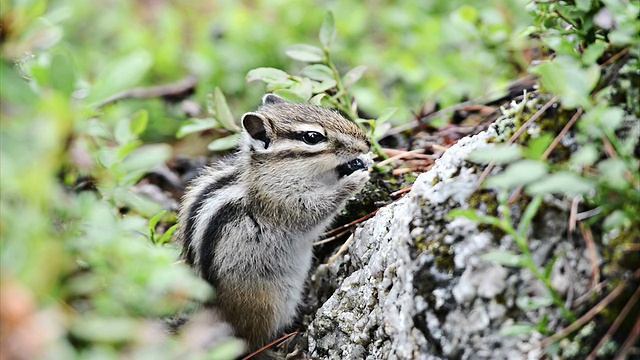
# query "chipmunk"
(247, 224)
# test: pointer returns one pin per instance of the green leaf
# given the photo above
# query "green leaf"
(560, 45)
(381, 130)
(122, 132)
(267, 75)
(584, 5)
(496, 153)
(304, 52)
(303, 88)
(290, 95)
(593, 52)
(146, 157)
(317, 100)
(166, 237)
(566, 78)
(563, 182)
(616, 220)
(223, 113)
(533, 303)
(328, 30)
(504, 258)
(13, 88)
(585, 156)
(470, 214)
(519, 173)
(63, 75)
(139, 122)
(527, 218)
(353, 75)
(153, 222)
(549, 268)
(612, 172)
(386, 115)
(224, 143)
(601, 118)
(538, 146)
(516, 329)
(324, 86)
(195, 126)
(318, 72)
(121, 75)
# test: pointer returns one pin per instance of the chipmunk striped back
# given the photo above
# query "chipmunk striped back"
(247, 223)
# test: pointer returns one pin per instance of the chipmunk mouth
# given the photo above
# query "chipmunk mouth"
(350, 167)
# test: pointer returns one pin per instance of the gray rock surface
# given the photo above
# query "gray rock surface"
(412, 284)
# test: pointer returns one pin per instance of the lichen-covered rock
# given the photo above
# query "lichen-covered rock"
(412, 284)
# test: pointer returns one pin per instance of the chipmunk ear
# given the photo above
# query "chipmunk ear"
(272, 99)
(258, 128)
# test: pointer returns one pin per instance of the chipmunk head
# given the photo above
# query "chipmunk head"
(302, 140)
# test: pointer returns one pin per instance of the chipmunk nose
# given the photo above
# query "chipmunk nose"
(350, 167)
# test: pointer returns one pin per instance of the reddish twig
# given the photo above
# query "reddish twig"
(330, 239)
(354, 222)
(562, 133)
(616, 324)
(585, 318)
(631, 340)
(342, 249)
(269, 345)
(593, 256)
(401, 155)
(589, 315)
(401, 191)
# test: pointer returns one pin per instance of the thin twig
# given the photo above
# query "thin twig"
(616, 324)
(535, 117)
(614, 58)
(403, 154)
(596, 289)
(342, 249)
(631, 340)
(354, 222)
(593, 256)
(330, 239)
(177, 88)
(401, 191)
(585, 318)
(562, 133)
(275, 342)
(573, 213)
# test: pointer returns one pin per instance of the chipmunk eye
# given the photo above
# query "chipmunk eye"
(312, 137)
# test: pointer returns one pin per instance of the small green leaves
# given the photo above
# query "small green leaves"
(497, 153)
(290, 95)
(318, 72)
(353, 75)
(222, 112)
(139, 122)
(566, 78)
(306, 53)
(563, 182)
(267, 75)
(121, 75)
(505, 258)
(517, 329)
(195, 126)
(224, 143)
(519, 173)
(328, 31)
